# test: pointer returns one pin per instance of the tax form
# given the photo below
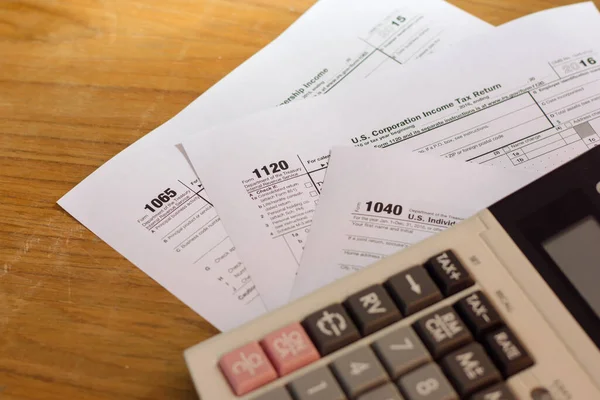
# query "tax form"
(363, 217)
(148, 204)
(525, 96)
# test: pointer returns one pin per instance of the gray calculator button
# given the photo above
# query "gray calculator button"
(359, 371)
(413, 290)
(316, 385)
(385, 392)
(401, 351)
(427, 383)
(442, 331)
(470, 369)
(496, 392)
(275, 394)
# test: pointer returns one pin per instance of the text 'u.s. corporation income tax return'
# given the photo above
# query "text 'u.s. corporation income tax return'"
(527, 96)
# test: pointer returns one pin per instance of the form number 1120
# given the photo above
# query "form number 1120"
(271, 169)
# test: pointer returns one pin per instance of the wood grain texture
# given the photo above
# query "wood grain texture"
(80, 80)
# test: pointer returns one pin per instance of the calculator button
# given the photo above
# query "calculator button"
(401, 351)
(507, 352)
(442, 331)
(316, 385)
(413, 290)
(478, 313)
(289, 348)
(372, 309)
(247, 368)
(385, 392)
(447, 271)
(358, 371)
(275, 394)
(470, 369)
(330, 329)
(427, 383)
(496, 392)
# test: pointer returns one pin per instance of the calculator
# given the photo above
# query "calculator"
(503, 306)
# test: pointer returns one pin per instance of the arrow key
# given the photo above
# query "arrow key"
(401, 351)
(413, 290)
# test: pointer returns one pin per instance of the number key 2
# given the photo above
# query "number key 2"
(448, 272)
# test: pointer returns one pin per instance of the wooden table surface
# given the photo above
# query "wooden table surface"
(80, 80)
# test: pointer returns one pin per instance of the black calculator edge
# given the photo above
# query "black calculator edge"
(531, 214)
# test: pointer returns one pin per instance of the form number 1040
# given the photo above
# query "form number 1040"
(380, 207)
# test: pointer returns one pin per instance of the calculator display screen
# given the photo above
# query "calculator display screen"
(559, 232)
(576, 251)
(555, 222)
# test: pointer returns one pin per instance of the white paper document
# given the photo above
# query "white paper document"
(364, 216)
(527, 96)
(148, 204)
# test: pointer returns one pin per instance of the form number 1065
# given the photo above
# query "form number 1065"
(161, 199)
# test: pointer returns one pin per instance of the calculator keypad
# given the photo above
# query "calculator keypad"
(462, 350)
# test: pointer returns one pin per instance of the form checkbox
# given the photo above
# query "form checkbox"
(307, 184)
(313, 194)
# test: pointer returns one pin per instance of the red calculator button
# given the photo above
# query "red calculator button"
(289, 348)
(247, 368)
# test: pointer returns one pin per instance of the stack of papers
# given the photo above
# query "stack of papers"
(428, 115)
